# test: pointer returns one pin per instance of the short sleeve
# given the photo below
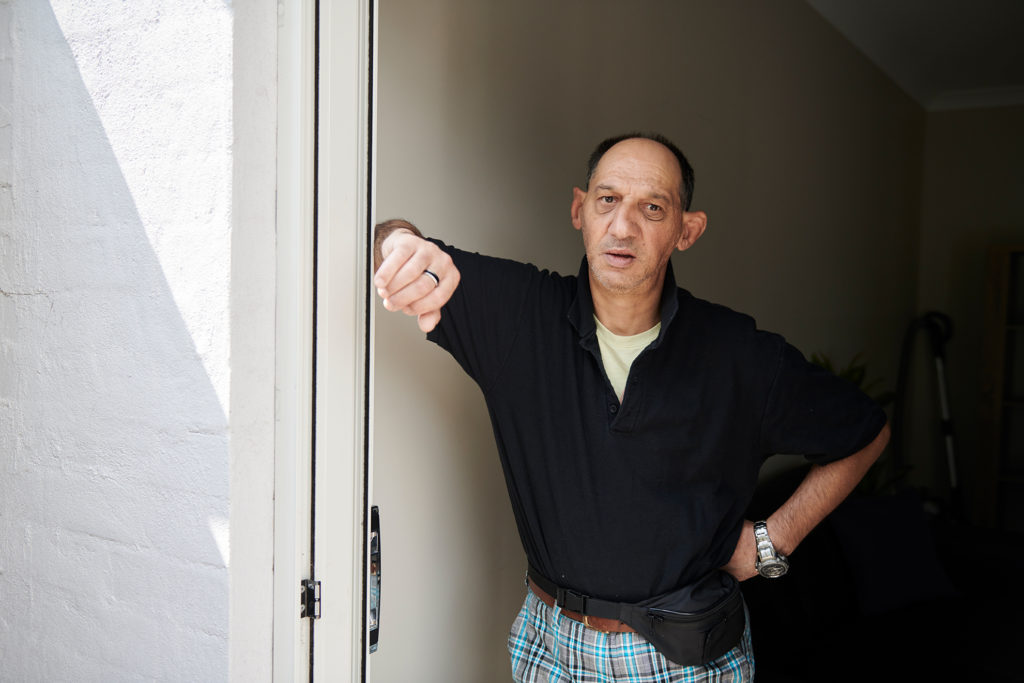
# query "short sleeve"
(812, 412)
(480, 322)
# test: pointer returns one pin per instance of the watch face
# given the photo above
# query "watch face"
(772, 569)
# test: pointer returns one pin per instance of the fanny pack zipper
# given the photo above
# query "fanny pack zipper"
(662, 614)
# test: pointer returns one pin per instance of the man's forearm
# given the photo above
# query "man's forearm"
(824, 487)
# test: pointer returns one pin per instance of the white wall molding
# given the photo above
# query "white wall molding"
(253, 332)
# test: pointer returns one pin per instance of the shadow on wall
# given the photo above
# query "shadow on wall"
(114, 480)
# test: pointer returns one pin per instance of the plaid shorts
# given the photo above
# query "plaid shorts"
(547, 647)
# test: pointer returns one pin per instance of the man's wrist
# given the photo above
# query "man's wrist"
(769, 562)
(780, 533)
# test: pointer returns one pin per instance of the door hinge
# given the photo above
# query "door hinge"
(309, 599)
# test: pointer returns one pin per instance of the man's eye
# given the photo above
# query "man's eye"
(607, 199)
(654, 208)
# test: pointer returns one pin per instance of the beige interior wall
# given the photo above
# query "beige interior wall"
(971, 200)
(807, 162)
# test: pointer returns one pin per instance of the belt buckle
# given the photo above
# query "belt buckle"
(586, 622)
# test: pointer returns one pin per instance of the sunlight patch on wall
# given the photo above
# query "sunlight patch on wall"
(163, 95)
(220, 530)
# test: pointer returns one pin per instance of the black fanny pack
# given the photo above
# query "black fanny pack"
(690, 626)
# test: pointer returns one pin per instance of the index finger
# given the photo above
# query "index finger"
(388, 267)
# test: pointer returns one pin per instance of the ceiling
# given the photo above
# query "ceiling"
(946, 54)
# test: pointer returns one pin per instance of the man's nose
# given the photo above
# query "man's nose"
(624, 222)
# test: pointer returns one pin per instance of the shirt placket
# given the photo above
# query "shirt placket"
(632, 398)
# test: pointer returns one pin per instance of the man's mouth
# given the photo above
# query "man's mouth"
(618, 258)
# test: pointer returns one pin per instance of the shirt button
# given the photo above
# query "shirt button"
(613, 408)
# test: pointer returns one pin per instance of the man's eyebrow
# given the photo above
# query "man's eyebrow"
(660, 196)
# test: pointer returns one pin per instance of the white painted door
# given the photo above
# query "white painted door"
(404, 429)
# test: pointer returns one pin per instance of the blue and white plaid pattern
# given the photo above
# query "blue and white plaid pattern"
(547, 647)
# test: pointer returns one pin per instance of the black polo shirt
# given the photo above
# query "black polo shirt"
(626, 501)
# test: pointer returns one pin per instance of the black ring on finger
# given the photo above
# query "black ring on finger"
(433, 276)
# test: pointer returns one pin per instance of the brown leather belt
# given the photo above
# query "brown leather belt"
(596, 623)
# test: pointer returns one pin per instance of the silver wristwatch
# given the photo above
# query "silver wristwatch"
(770, 563)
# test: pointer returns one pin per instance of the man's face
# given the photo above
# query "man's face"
(632, 218)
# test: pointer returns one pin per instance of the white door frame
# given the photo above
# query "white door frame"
(294, 334)
(324, 207)
(344, 330)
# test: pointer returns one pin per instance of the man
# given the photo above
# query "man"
(632, 420)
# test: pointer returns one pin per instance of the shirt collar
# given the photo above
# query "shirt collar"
(581, 311)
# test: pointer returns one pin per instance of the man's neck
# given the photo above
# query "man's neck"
(626, 314)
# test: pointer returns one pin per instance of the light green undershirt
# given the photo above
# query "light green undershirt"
(618, 352)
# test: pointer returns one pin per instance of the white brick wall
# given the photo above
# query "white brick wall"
(115, 234)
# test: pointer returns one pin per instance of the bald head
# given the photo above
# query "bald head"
(682, 166)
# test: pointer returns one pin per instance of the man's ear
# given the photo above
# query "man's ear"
(578, 196)
(694, 224)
